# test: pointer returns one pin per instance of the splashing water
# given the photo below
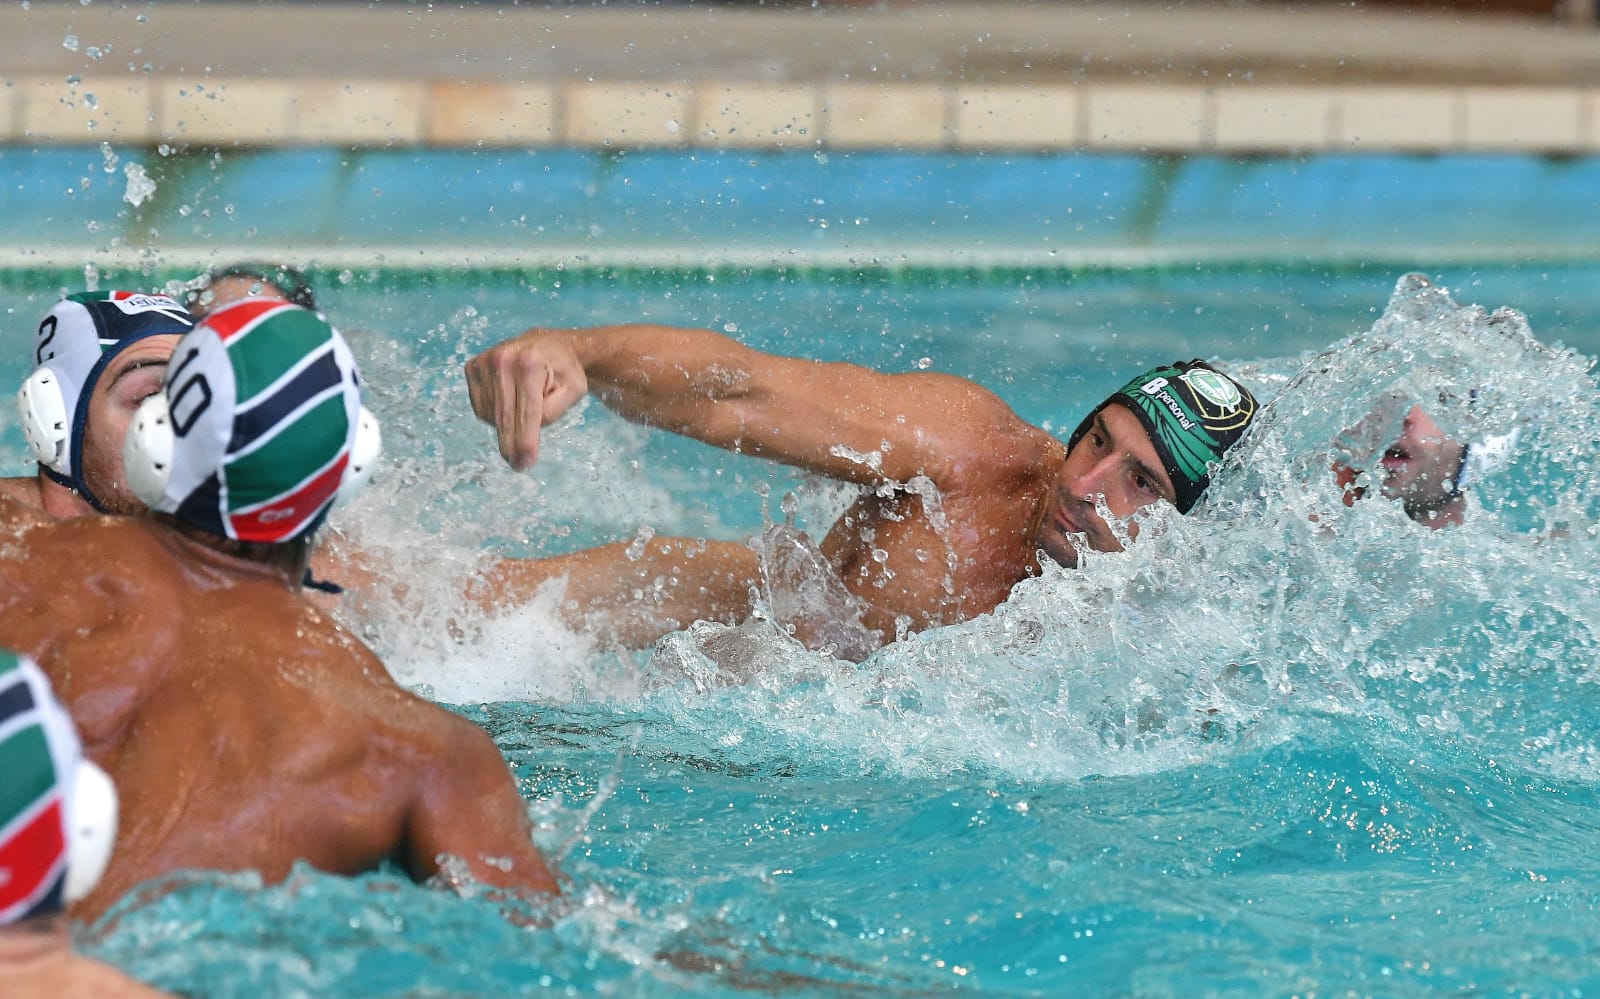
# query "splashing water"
(1279, 745)
(1273, 599)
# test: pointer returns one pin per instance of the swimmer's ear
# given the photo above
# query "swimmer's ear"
(45, 422)
(364, 453)
(147, 451)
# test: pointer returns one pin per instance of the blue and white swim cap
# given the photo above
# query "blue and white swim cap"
(58, 811)
(75, 342)
(259, 427)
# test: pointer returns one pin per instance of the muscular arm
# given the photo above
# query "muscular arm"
(468, 807)
(839, 420)
(640, 592)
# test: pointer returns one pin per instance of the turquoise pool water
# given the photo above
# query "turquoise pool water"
(1280, 747)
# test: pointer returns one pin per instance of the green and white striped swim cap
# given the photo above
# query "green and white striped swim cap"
(259, 428)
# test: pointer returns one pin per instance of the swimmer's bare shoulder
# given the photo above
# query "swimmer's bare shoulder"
(20, 505)
(433, 778)
(466, 806)
(78, 591)
(971, 440)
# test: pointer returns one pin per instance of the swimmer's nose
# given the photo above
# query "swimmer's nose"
(1092, 482)
(1093, 479)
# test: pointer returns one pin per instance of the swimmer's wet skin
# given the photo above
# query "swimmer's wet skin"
(192, 633)
(1007, 490)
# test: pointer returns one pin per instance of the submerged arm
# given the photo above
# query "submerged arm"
(840, 420)
(634, 592)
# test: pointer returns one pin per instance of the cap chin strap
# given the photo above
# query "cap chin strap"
(147, 454)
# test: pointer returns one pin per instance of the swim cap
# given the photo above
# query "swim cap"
(258, 428)
(1193, 414)
(58, 813)
(73, 345)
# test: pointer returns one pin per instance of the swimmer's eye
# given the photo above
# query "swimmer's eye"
(140, 382)
(1144, 484)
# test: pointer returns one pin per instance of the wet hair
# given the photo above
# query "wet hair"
(289, 280)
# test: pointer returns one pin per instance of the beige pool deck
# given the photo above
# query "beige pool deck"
(1228, 78)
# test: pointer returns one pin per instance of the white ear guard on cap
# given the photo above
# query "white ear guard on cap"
(45, 421)
(365, 451)
(1483, 458)
(91, 829)
(147, 453)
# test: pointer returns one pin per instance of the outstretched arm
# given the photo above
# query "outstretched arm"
(840, 420)
(468, 808)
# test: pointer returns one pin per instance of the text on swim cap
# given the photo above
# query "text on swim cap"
(45, 339)
(183, 422)
(1158, 388)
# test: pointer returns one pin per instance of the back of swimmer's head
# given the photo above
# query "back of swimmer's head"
(1192, 413)
(58, 817)
(258, 429)
(220, 287)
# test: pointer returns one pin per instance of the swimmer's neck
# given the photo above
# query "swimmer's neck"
(59, 501)
(33, 944)
(285, 563)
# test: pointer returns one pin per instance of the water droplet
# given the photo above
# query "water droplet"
(140, 187)
(70, 43)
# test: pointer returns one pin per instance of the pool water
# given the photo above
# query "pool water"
(1279, 747)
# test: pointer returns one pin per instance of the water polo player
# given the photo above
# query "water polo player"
(1002, 490)
(95, 357)
(58, 823)
(1429, 472)
(170, 636)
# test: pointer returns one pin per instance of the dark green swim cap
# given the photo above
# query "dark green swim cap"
(1193, 414)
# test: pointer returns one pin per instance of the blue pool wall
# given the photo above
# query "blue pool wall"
(1068, 207)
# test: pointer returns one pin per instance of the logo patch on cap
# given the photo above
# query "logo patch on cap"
(1214, 388)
